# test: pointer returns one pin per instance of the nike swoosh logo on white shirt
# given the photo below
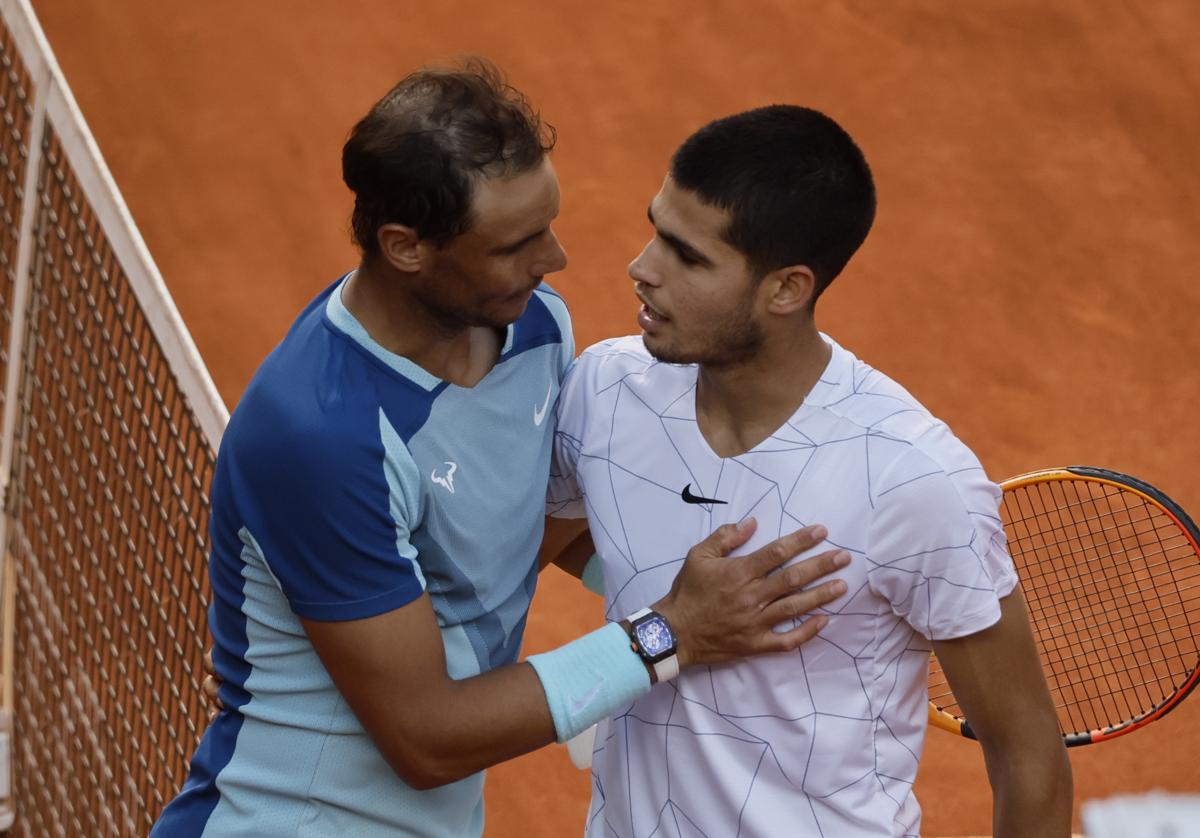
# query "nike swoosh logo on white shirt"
(579, 706)
(540, 413)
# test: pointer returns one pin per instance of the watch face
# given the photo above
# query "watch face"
(654, 636)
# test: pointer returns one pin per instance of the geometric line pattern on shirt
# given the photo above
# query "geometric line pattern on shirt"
(768, 752)
(663, 733)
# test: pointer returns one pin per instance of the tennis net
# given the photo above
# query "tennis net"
(110, 425)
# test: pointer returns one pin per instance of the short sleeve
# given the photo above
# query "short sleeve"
(564, 498)
(333, 516)
(936, 546)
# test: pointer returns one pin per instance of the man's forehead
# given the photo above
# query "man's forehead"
(506, 206)
(680, 211)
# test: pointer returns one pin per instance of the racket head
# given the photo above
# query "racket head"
(1110, 569)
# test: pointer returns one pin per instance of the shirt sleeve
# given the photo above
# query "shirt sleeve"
(334, 515)
(937, 549)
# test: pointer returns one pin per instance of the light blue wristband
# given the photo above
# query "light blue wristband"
(593, 575)
(590, 678)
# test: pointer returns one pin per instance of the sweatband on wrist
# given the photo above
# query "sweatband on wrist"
(590, 678)
(593, 575)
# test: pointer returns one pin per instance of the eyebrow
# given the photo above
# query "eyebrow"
(517, 245)
(680, 246)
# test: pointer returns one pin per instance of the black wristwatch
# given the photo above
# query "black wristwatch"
(653, 639)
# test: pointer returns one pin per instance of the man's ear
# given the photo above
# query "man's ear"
(790, 289)
(401, 247)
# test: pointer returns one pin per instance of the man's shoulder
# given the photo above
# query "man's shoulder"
(857, 393)
(904, 432)
(860, 394)
(610, 368)
(318, 397)
(627, 347)
(617, 358)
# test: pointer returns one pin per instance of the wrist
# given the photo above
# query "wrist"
(683, 646)
(627, 627)
(653, 639)
(588, 679)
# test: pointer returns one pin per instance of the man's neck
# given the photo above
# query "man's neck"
(740, 405)
(383, 303)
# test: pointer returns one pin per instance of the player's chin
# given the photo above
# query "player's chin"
(664, 350)
(507, 310)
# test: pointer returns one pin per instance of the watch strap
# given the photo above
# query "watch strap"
(666, 669)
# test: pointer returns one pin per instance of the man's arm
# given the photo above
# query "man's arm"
(433, 729)
(997, 678)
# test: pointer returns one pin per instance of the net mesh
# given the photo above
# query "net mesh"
(108, 518)
(1113, 589)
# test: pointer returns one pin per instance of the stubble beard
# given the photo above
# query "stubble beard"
(451, 318)
(737, 339)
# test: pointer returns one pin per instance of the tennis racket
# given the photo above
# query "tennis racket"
(1110, 569)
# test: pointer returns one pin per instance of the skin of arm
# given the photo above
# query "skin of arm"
(997, 677)
(434, 730)
(431, 729)
(566, 542)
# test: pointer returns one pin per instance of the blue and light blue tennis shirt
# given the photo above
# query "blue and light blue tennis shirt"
(350, 481)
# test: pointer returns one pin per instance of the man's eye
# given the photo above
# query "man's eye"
(686, 259)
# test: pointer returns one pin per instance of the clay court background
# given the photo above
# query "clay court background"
(1031, 276)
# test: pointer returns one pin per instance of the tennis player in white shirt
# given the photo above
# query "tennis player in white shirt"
(732, 405)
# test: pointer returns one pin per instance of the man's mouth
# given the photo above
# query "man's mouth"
(527, 291)
(650, 319)
(652, 313)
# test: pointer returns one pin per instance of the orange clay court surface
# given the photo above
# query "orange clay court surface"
(1031, 276)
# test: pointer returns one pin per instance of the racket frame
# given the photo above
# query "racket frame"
(944, 720)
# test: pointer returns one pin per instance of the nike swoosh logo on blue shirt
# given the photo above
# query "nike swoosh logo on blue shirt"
(540, 414)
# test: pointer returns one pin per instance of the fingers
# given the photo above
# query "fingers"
(765, 559)
(211, 687)
(787, 641)
(723, 609)
(805, 572)
(727, 538)
(799, 604)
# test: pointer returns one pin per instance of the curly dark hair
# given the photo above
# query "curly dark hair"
(414, 158)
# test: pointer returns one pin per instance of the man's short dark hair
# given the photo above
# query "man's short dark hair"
(414, 158)
(797, 189)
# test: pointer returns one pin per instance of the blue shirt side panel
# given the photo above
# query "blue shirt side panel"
(480, 566)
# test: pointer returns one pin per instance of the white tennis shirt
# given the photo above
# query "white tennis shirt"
(823, 741)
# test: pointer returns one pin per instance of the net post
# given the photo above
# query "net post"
(18, 17)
